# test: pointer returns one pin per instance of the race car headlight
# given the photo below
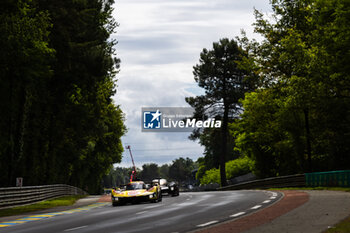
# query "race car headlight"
(151, 196)
(115, 198)
(172, 188)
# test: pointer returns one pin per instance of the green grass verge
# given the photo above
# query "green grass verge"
(61, 201)
(342, 227)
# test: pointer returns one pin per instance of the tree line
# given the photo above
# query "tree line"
(180, 170)
(286, 99)
(57, 69)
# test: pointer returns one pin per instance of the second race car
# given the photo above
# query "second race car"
(171, 188)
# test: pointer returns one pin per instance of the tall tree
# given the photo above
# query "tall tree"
(85, 126)
(181, 168)
(149, 172)
(164, 171)
(24, 76)
(58, 67)
(305, 80)
(116, 177)
(218, 73)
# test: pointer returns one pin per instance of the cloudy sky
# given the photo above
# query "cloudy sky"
(159, 41)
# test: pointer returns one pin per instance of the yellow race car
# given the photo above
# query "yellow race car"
(136, 191)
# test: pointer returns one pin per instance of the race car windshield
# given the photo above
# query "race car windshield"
(134, 186)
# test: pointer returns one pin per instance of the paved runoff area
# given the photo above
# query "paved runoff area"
(296, 212)
(323, 210)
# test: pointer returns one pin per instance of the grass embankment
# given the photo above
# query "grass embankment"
(61, 201)
(342, 227)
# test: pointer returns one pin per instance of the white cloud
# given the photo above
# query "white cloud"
(159, 41)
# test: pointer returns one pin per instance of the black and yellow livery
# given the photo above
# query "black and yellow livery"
(136, 191)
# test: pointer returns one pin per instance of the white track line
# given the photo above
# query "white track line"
(207, 224)
(75, 228)
(256, 207)
(142, 212)
(236, 215)
(151, 207)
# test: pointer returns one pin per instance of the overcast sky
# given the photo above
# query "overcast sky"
(159, 42)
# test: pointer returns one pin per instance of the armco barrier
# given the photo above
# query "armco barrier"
(274, 182)
(328, 179)
(15, 196)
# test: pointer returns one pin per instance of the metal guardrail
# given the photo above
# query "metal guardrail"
(274, 182)
(201, 188)
(15, 196)
(325, 179)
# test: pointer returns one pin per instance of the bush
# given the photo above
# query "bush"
(201, 172)
(239, 167)
(211, 176)
(234, 168)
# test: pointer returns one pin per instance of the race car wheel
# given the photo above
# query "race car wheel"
(115, 203)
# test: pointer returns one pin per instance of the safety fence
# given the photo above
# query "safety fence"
(274, 182)
(328, 179)
(315, 179)
(15, 196)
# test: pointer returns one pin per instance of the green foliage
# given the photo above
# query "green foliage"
(211, 139)
(341, 227)
(297, 120)
(164, 171)
(58, 72)
(117, 176)
(224, 83)
(211, 176)
(181, 169)
(239, 167)
(234, 168)
(24, 75)
(149, 172)
(201, 172)
(275, 152)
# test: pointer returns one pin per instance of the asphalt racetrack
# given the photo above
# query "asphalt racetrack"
(187, 212)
